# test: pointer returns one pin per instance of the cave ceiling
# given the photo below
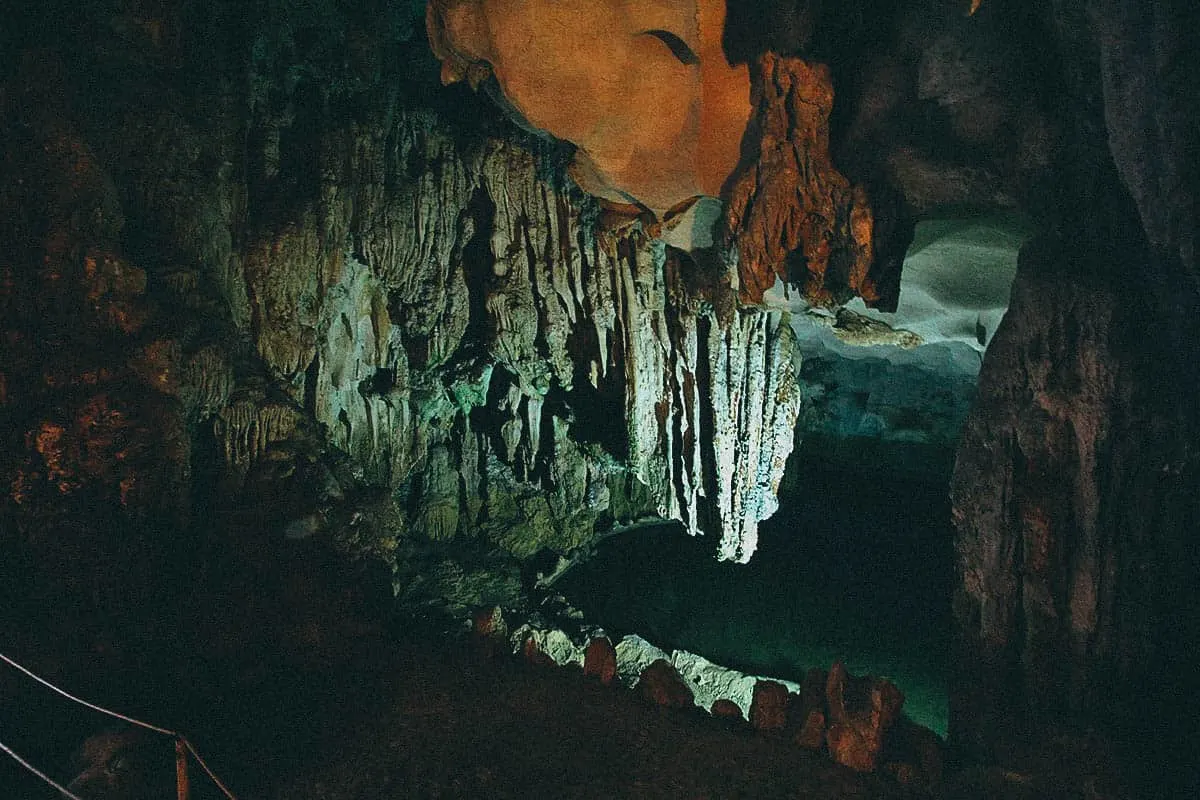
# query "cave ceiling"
(662, 118)
(391, 273)
(642, 89)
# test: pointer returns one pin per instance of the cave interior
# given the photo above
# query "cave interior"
(489, 398)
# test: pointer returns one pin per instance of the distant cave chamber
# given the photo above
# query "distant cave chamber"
(857, 565)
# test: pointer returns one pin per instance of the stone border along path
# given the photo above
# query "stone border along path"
(857, 721)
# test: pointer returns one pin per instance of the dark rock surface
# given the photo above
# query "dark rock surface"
(1074, 494)
(600, 661)
(271, 298)
(861, 713)
(661, 685)
(769, 706)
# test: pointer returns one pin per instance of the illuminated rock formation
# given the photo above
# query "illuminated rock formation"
(659, 117)
(643, 89)
(861, 713)
(793, 215)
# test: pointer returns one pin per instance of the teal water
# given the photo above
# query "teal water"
(854, 567)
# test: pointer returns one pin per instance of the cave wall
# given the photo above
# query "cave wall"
(262, 273)
(1075, 489)
(1075, 486)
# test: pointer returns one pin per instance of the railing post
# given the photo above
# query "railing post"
(181, 770)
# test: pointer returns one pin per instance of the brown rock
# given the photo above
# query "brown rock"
(489, 621)
(929, 754)
(853, 747)
(861, 713)
(812, 734)
(792, 201)
(534, 655)
(769, 708)
(726, 709)
(661, 685)
(489, 633)
(1059, 376)
(600, 660)
(812, 691)
(918, 747)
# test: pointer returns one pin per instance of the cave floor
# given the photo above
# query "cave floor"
(431, 717)
(435, 717)
(450, 723)
(292, 690)
(292, 686)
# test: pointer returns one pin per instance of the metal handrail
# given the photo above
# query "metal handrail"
(182, 745)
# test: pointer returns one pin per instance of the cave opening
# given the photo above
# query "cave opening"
(857, 565)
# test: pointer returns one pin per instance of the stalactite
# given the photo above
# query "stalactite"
(246, 429)
(792, 214)
(207, 382)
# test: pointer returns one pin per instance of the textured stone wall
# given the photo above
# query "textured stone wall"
(1074, 494)
(1075, 505)
(286, 275)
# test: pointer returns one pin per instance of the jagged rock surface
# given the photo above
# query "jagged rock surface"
(1074, 491)
(449, 350)
(793, 215)
(396, 327)
(1042, 557)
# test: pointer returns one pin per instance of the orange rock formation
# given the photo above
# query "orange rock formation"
(643, 89)
(793, 215)
(660, 117)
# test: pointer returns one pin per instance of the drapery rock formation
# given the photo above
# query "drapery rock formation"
(792, 215)
(659, 127)
(391, 329)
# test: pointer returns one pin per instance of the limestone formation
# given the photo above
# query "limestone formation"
(379, 338)
(855, 720)
(207, 382)
(545, 647)
(88, 392)
(644, 90)
(792, 214)
(450, 320)
(600, 660)
(489, 622)
(634, 654)
(1074, 489)
(726, 709)
(769, 709)
(811, 735)
(862, 712)
(1037, 549)
(712, 684)
(660, 117)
